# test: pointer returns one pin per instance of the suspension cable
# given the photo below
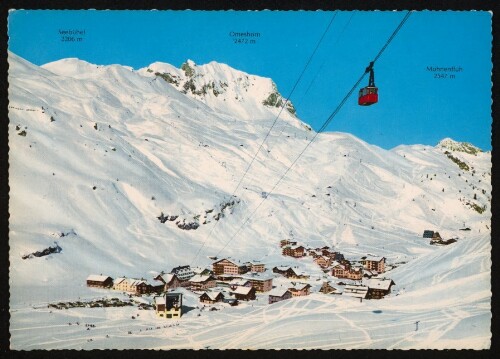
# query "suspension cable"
(271, 128)
(323, 127)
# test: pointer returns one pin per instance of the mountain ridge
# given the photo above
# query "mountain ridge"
(102, 156)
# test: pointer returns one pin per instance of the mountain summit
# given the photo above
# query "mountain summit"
(228, 90)
(453, 145)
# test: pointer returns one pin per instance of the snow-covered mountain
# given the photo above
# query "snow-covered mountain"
(98, 153)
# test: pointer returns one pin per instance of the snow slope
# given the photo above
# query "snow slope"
(99, 152)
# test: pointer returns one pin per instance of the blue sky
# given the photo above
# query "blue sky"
(413, 107)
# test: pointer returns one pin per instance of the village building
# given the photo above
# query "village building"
(261, 282)
(99, 281)
(286, 242)
(379, 287)
(293, 251)
(226, 266)
(184, 273)
(132, 285)
(314, 252)
(168, 280)
(169, 306)
(327, 288)
(202, 271)
(369, 273)
(244, 293)
(211, 297)
(256, 267)
(337, 256)
(290, 272)
(374, 263)
(231, 301)
(202, 282)
(346, 271)
(279, 294)
(356, 291)
(299, 289)
(239, 282)
(323, 261)
(428, 234)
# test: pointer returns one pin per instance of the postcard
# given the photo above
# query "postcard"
(226, 180)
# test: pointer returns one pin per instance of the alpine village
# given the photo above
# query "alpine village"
(229, 281)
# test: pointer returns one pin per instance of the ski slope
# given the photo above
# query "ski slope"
(107, 149)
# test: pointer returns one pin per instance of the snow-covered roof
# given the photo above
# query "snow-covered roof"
(299, 286)
(357, 291)
(229, 260)
(242, 290)
(258, 277)
(213, 295)
(119, 280)
(183, 269)
(377, 283)
(160, 300)
(299, 272)
(278, 292)
(374, 259)
(97, 278)
(282, 268)
(200, 278)
(238, 281)
(167, 277)
(198, 270)
(130, 281)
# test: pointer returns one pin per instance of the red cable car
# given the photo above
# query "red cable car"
(369, 95)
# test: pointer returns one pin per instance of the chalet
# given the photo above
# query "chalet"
(279, 294)
(256, 267)
(337, 256)
(374, 263)
(299, 289)
(99, 281)
(428, 234)
(378, 288)
(356, 291)
(244, 293)
(202, 271)
(293, 251)
(201, 282)
(281, 270)
(261, 282)
(169, 306)
(369, 273)
(226, 266)
(211, 297)
(184, 273)
(346, 271)
(286, 242)
(327, 288)
(239, 282)
(290, 272)
(314, 252)
(323, 261)
(231, 301)
(132, 285)
(168, 280)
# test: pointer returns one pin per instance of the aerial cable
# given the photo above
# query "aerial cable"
(322, 128)
(321, 68)
(272, 125)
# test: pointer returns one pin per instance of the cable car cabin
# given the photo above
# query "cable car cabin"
(368, 96)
